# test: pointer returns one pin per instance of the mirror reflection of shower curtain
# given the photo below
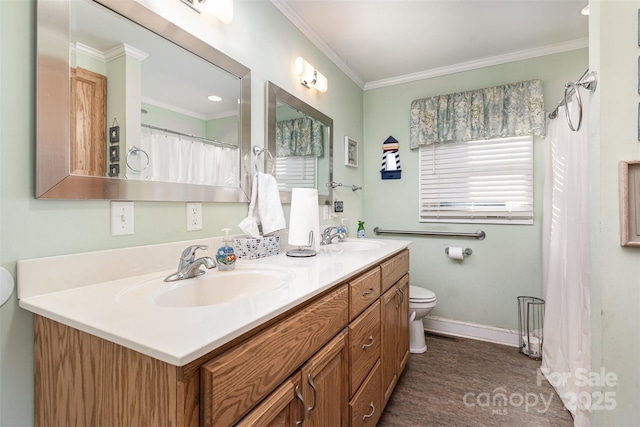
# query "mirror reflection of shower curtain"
(565, 261)
(179, 159)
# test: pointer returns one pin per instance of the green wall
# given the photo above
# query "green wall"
(483, 288)
(260, 37)
(615, 274)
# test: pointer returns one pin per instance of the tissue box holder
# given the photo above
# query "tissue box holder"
(252, 248)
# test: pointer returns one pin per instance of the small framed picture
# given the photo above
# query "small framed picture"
(114, 134)
(114, 170)
(114, 153)
(350, 152)
(630, 203)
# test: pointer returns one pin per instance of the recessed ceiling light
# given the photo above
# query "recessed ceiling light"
(214, 98)
(585, 10)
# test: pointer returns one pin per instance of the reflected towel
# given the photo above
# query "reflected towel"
(265, 207)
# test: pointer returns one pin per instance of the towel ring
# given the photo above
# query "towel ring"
(135, 150)
(567, 89)
(588, 82)
(257, 151)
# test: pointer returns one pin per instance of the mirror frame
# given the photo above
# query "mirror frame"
(275, 93)
(53, 178)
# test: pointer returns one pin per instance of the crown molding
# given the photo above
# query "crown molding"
(481, 63)
(296, 20)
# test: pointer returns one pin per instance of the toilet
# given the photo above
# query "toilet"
(421, 302)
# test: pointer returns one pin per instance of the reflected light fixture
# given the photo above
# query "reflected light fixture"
(585, 10)
(221, 9)
(310, 77)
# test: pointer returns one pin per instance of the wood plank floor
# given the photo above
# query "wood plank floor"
(459, 382)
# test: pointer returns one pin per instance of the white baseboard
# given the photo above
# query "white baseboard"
(474, 331)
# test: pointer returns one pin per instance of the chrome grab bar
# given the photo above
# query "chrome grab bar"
(480, 235)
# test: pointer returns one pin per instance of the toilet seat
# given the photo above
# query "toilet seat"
(421, 295)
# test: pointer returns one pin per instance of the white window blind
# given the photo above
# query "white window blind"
(486, 181)
(296, 171)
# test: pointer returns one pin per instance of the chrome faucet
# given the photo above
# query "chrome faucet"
(327, 235)
(190, 266)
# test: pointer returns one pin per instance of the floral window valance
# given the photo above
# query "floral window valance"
(515, 109)
(299, 137)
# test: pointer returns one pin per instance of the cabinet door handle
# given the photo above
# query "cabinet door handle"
(371, 341)
(299, 395)
(369, 292)
(373, 410)
(315, 395)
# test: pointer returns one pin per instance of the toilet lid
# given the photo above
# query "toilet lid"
(417, 293)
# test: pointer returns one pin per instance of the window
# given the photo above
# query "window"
(296, 171)
(485, 181)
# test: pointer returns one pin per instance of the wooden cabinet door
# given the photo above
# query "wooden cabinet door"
(88, 123)
(389, 353)
(403, 324)
(284, 407)
(325, 385)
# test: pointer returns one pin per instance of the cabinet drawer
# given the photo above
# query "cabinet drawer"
(394, 269)
(235, 381)
(363, 291)
(366, 405)
(364, 344)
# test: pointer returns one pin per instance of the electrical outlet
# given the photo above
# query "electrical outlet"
(194, 216)
(121, 218)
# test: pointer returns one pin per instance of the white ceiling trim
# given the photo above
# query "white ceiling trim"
(481, 63)
(293, 16)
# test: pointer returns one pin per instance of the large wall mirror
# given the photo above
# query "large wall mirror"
(131, 107)
(300, 145)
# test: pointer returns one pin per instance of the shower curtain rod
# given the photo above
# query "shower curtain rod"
(199, 138)
(569, 94)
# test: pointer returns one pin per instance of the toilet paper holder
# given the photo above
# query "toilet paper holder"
(466, 252)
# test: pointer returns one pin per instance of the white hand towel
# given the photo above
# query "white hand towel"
(269, 206)
(265, 207)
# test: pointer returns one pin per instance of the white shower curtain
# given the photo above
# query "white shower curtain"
(179, 159)
(565, 262)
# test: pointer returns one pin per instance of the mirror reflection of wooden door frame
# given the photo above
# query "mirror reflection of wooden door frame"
(88, 122)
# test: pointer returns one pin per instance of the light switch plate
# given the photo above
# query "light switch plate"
(121, 218)
(194, 216)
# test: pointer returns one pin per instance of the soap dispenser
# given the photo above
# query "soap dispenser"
(343, 230)
(225, 255)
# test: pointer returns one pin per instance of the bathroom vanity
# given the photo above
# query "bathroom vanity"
(325, 350)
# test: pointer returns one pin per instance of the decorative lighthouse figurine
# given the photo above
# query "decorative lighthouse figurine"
(390, 159)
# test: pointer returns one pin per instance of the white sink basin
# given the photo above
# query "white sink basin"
(213, 288)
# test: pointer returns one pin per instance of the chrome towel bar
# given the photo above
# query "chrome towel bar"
(480, 235)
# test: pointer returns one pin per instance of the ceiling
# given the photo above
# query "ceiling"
(381, 42)
(164, 82)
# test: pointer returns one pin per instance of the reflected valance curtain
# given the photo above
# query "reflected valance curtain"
(515, 109)
(299, 137)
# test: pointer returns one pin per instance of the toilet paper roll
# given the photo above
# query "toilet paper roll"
(456, 252)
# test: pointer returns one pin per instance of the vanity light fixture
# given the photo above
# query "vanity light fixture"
(310, 77)
(585, 10)
(221, 9)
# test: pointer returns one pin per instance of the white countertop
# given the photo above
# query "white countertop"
(120, 311)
